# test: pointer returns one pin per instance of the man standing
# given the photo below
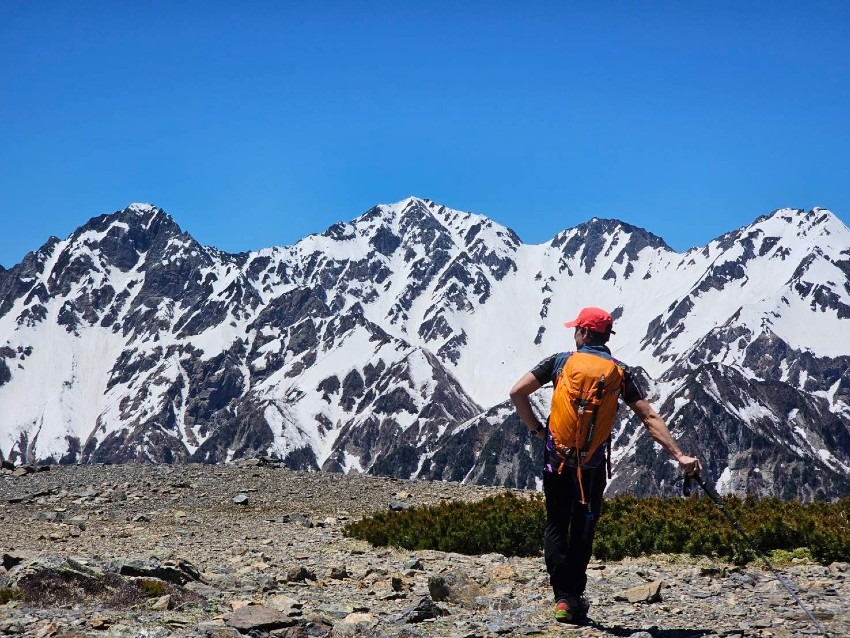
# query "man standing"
(574, 496)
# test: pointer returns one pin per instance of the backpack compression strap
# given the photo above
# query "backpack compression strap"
(600, 388)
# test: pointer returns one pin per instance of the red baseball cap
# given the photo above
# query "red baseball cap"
(594, 319)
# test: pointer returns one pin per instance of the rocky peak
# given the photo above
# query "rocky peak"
(305, 351)
(604, 242)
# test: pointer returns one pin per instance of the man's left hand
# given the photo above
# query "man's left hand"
(690, 465)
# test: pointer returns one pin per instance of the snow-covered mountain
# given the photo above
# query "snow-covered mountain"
(388, 344)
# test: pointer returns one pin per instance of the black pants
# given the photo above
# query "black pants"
(568, 538)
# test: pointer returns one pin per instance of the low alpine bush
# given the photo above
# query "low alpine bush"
(629, 526)
(503, 524)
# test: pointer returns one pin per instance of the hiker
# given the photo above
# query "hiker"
(573, 488)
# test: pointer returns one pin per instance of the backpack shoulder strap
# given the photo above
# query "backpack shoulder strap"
(560, 362)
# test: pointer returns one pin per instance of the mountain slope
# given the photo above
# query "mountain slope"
(388, 343)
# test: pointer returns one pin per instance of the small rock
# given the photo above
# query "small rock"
(223, 632)
(162, 553)
(282, 603)
(414, 563)
(338, 573)
(438, 588)
(340, 610)
(53, 517)
(423, 609)
(79, 522)
(498, 626)
(11, 559)
(257, 617)
(649, 593)
(301, 519)
(163, 603)
(240, 499)
(178, 572)
(49, 629)
(299, 574)
(455, 587)
(100, 623)
(355, 623)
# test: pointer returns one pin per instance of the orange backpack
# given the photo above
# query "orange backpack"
(584, 406)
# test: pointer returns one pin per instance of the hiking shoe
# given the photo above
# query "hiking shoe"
(572, 610)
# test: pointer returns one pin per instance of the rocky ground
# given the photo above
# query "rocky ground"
(258, 550)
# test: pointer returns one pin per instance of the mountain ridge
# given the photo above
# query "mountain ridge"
(145, 345)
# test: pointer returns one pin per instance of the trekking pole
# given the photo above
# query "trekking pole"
(712, 493)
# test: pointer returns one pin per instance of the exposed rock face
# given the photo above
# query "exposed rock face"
(388, 344)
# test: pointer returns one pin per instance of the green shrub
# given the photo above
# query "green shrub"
(628, 527)
(8, 594)
(504, 524)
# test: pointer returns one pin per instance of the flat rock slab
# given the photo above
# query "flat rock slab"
(257, 617)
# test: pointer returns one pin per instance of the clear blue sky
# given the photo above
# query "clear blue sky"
(257, 123)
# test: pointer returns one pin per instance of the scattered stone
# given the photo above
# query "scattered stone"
(282, 603)
(100, 623)
(423, 609)
(12, 559)
(79, 522)
(500, 626)
(177, 572)
(414, 564)
(648, 593)
(257, 617)
(163, 603)
(246, 555)
(240, 499)
(301, 519)
(299, 574)
(455, 587)
(46, 630)
(338, 573)
(355, 623)
(337, 610)
(28, 497)
(51, 516)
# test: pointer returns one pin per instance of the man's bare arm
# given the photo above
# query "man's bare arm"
(659, 431)
(519, 395)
